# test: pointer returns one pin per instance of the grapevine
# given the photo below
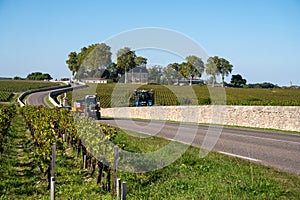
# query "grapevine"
(5, 96)
(7, 112)
(58, 125)
(23, 85)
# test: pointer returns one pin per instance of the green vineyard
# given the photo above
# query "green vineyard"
(6, 114)
(23, 85)
(48, 126)
(5, 96)
(120, 95)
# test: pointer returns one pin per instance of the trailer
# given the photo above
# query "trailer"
(89, 107)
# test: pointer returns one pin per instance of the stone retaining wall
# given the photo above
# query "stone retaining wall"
(275, 117)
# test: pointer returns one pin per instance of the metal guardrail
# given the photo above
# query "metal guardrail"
(53, 95)
(24, 94)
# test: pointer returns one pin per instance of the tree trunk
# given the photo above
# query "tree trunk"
(222, 80)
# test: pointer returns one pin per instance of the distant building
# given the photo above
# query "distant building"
(185, 81)
(138, 75)
(94, 80)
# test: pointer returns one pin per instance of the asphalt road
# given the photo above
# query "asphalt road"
(38, 98)
(278, 150)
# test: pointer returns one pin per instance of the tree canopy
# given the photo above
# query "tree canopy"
(238, 81)
(193, 67)
(95, 61)
(262, 85)
(125, 59)
(224, 67)
(140, 61)
(72, 62)
(211, 69)
(170, 73)
(91, 61)
(39, 76)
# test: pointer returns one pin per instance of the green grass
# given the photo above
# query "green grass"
(214, 177)
(50, 104)
(112, 95)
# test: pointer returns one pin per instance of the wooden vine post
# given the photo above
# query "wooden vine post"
(52, 186)
(115, 172)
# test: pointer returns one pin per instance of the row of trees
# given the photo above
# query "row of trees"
(35, 76)
(95, 61)
(39, 76)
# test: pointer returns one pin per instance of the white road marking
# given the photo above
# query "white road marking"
(263, 138)
(238, 156)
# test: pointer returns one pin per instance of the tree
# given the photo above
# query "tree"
(262, 85)
(46, 77)
(90, 61)
(155, 73)
(113, 72)
(39, 76)
(185, 69)
(18, 78)
(223, 66)
(211, 69)
(98, 58)
(73, 63)
(140, 61)
(193, 67)
(170, 73)
(176, 67)
(125, 60)
(238, 81)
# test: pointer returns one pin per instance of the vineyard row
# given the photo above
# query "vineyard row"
(120, 95)
(90, 140)
(7, 112)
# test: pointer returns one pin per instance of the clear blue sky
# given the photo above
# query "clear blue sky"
(261, 38)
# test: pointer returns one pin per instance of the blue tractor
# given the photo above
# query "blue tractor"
(143, 97)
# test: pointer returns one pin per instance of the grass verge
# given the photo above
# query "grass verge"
(50, 104)
(216, 176)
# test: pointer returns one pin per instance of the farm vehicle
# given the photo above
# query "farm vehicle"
(89, 107)
(143, 97)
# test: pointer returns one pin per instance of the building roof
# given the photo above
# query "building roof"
(93, 79)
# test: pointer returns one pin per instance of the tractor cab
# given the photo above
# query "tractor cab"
(143, 97)
(92, 107)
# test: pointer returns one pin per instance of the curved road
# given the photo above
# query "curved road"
(279, 150)
(38, 98)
